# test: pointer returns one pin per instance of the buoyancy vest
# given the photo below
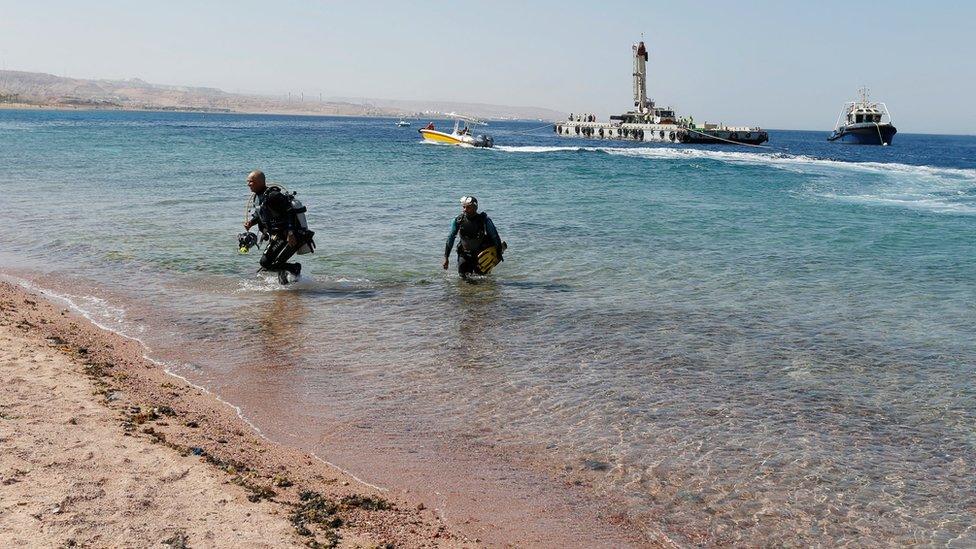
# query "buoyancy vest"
(280, 211)
(472, 231)
(277, 211)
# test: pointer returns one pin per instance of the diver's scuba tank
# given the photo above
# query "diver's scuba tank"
(299, 209)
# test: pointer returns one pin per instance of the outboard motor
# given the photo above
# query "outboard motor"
(484, 141)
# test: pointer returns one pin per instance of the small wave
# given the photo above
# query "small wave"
(95, 309)
(265, 282)
(768, 158)
(921, 202)
(268, 282)
(17, 126)
(197, 198)
(102, 308)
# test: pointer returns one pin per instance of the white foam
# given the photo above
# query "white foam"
(264, 282)
(903, 185)
(767, 158)
(345, 281)
(97, 306)
(268, 282)
(16, 126)
(916, 202)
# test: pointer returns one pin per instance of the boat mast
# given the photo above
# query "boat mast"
(640, 77)
(864, 95)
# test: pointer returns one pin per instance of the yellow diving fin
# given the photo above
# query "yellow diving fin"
(489, 257)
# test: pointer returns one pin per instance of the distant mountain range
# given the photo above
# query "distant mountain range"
(19, 88)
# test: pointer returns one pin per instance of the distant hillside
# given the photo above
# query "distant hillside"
(52, 91)
(47, 90)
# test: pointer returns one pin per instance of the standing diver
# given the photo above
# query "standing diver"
(480, 248)
(281, 217)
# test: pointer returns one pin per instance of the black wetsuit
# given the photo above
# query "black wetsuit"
(274, 215)
(477, 233)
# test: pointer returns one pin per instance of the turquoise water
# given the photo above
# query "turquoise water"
(759, 346)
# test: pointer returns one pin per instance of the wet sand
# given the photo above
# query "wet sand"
(100, 447)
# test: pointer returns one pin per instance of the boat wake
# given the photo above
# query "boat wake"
(941, 190)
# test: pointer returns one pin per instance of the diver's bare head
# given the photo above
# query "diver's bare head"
(255, 181)
(469, 205)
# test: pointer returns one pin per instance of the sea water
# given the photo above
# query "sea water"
(740, 345)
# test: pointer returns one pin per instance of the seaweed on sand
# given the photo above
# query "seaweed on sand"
(316, 510)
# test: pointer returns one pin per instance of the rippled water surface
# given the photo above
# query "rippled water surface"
(763, 346)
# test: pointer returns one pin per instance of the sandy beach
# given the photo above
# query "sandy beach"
(100, 447)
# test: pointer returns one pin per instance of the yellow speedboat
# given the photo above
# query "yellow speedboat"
(460, 135)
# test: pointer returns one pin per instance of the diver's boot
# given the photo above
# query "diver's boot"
(295, 269)
(283, 277)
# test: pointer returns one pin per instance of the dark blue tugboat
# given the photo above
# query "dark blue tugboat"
(864, 123)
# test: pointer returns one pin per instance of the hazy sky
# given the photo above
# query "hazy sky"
(778, 64)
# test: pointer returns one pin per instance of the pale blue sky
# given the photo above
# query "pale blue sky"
(777, 64)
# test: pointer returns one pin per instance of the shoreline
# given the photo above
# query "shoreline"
(221, 434)
(194, 110)
(301, 497)
(191, 110)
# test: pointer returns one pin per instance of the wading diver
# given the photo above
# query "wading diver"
(281, 217)
(480, 248)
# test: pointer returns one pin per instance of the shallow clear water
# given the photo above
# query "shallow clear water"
(757, 345)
